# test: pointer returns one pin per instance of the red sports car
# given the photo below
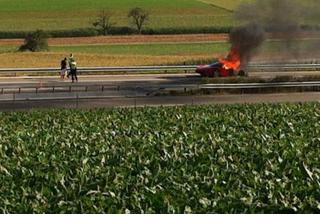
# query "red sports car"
(217, 70)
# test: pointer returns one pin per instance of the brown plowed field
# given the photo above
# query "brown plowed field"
(126, 39)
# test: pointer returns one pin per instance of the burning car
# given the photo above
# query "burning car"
(230, 66)
(244, 41)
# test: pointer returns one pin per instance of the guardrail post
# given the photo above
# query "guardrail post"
(102, 88)
(86, 88)
(77, 100)
(52, 89)
(36, 90)
(1, 90)
(19, 90)
(69, 88)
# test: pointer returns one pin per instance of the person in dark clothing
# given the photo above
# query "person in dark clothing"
(73, 68)
(63, 68)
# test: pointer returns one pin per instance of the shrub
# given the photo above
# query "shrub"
(36, 41)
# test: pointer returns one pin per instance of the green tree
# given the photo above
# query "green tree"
(35, 41)
(139, 17)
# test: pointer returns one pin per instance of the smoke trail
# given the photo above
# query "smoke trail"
(274, 15)
(286, 21)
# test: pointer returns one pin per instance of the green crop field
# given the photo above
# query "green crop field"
(227, 4)
(23, 15)
(28, 15)
(197, 159)
(174, 48)
(148, 49)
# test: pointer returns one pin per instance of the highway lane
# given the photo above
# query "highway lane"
(127, 90)
(20, 80)
(136, 85)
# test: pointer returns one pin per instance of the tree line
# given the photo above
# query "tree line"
(104, 23)
(38, 40)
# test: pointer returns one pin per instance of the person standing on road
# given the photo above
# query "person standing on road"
(73, 68)
(63, 68)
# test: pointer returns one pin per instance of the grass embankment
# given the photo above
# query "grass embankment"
(223, 159)
(65, 15)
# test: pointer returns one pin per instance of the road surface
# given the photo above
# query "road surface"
(136, 90)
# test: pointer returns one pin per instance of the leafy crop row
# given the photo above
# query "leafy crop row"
(223, 159)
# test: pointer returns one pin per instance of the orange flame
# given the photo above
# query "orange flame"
(232, 61)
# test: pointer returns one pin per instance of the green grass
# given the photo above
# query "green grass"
(138, 49)
(227, 4)
(147, 49)
(158, 49)
(222, 159)
(28, 15)
(160, 6)
(25, 15)
(8, 48)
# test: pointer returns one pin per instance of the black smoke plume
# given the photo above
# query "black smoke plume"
(289, 22)
(245, 39)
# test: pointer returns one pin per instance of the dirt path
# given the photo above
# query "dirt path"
(126, 39)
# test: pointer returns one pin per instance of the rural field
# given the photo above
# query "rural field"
(261, 158)
(145, 50)
(249, 158)
(115, 54)
(128, 49)
(26, 15)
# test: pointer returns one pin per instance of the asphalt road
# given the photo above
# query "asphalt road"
(185, 77)
(135, 90)
(17, 88)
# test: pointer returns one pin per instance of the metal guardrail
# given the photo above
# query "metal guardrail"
(106, 69)
(52, 88)
(155, 68)
(81, 91)
(285, 66)
(260, 85)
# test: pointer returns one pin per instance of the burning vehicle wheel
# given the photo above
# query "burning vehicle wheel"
(230, 72)
(242, 73)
